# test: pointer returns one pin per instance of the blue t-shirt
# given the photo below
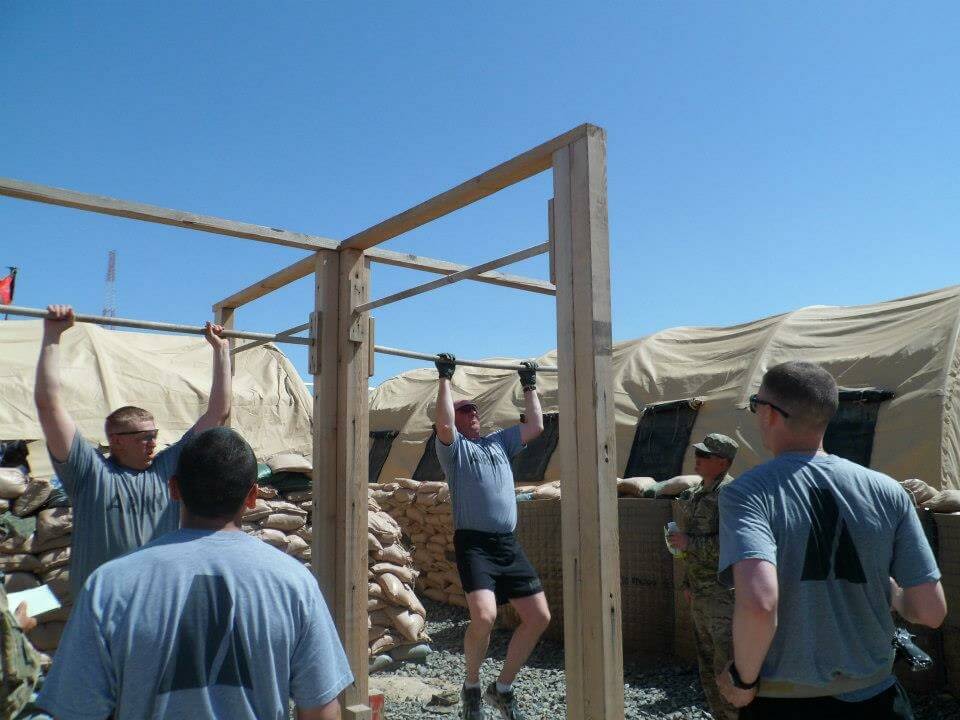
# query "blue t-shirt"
(197, 624)
(481, 480)
(115, 509)
(836, 532)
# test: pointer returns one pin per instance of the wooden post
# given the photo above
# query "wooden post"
(591, 553)
(340, 459)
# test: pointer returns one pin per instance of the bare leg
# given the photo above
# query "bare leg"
(483, 613)
(534, 618)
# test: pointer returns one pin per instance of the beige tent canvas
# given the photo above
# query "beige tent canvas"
(169, 375)
(905, 350)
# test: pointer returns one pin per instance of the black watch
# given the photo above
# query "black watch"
(738, 681)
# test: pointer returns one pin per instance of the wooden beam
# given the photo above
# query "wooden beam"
(512, 171)
(456, 277)
(283, 333)
(163, 216)
(591, 558)
(304, 267)
(341, 439)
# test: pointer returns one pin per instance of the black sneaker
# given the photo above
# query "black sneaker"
(504, 702)
(471, 704)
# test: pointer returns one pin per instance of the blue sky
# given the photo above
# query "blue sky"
(761, 156)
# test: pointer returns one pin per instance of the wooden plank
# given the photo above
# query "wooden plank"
(456, 277)
(352, 460)
(512, 171)
(304, 267)
(590, 536)
(163, 216)
(289, 332)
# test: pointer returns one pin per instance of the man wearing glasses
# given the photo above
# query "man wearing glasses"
(711, 604)
(493, 567)
(819, 549)
(122, 502)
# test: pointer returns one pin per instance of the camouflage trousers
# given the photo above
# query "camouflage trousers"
(712, 616)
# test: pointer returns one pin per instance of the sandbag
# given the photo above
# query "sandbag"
(382, 644)
(675, 485)
(51, 544)
(391, 584)
(289, 462)
(272, 537)
(17, 581)
(53, 522)
(373, 545)
(265, 492)
(283, 521)
(298, 547)
(299, 496)
(59, 582)
(306, 532)
(55, 558)
(46, 636)
(33, 497)
(634, 486)
(13, 482)
(919, 490)
(406, 574)
(259, 511)
(408, 483)
(282, 506)
(16, 545)
(945, 501)
(395, 554)
(409, 624)
(546, 492)
(22, 562)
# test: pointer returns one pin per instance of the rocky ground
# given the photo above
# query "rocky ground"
(664, 692)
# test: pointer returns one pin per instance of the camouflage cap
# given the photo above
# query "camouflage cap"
(719, 445)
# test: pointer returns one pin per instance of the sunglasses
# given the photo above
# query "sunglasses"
(755, 400)
(145, 435)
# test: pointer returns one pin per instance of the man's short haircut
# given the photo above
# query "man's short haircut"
(215, 471)
(122, 418)
(806, 391)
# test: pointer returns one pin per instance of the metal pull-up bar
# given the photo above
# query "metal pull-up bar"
(149, 325)
(471, 363)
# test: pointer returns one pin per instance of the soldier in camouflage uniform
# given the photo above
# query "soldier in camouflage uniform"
(19, 662)
(711, 605)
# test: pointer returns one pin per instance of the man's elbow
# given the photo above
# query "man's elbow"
(932, 616)
(762, 604)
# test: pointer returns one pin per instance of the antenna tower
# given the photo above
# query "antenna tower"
(110, 299)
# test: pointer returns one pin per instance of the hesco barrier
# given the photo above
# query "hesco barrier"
(646, 571)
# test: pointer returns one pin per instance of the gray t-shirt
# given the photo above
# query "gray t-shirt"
(481, 480)
(836, 532)
(115, 509)
(197, 624)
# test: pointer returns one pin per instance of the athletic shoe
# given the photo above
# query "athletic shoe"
(504, 702)
(471, 704)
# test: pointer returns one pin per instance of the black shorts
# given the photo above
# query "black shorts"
(494, 561)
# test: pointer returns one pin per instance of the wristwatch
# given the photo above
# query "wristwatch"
(738, 681)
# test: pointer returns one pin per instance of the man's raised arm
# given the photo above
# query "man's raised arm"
(446, 425)
(58, 427)
(221, 389)
(532, 425)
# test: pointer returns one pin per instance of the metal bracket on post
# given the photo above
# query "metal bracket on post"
(370, 347)
(358, 328)
(316, 318)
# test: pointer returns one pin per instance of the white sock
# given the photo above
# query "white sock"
(501, 688)
(471, 686)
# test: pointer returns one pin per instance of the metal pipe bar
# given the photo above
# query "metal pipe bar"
(150, 325)
(470, 363)
(470, 272)
(283, 333)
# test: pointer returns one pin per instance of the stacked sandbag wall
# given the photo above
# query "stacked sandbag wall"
(35, 549)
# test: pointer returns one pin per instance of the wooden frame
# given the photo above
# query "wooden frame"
(342, 346)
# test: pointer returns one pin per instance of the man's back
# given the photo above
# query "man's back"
(836, 532)
(199, 624)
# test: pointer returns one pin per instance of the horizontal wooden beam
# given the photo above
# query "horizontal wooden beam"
(383, 350)
(303, 268)
(455, 277)
(163, 216)
(283, 334)
(151, 325)
(512, 171)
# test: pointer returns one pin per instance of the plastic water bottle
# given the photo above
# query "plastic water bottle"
(669, 530)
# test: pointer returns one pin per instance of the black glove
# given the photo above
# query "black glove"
(446, 363)
(528, 375)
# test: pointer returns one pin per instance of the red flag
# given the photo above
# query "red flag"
(7, 286)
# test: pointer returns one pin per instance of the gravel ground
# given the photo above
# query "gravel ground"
(664, 693)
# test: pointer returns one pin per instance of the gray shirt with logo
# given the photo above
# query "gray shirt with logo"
(197, 624)
(115, 509)
(481, 480)
(836, 532)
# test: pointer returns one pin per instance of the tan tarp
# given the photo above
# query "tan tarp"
(909, 346)
(169, 375)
